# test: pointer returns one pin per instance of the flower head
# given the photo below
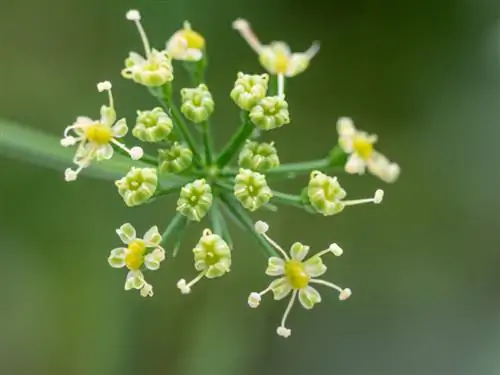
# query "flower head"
(362, 155)
(186, 44)
(195, 200)
(251, 189)
(249, 90)
(137, 186)
(270, 113)
(276, 57)
(96, 137)
(259, 157)
(176, 159)
(295, 275)
(140, 254)
(212, 258)
(152, 126)
(197, 103)
(155, 69)
(327, 196)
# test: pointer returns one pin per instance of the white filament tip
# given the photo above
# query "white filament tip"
(147, 290)
(345, 294)
(335, 249)
(379, 195)
(183, 287)
(136, 153)
(261, 227)
(68, 141)
(133, 15)
(240, 24)
(70, 175)
(283, 331)
(104, 86)
(254, 300)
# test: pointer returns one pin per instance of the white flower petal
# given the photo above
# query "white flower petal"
(126, 233)
(116, 258)
(120, 129)
(308, 297)
(152, 237)
(355, 165)
(314, 266)
(280, 288)
(108, 115)
(299, 251)
(104, 152)
(275, 266)
(135, 280)
(345, 127)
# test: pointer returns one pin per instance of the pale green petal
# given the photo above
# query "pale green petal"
(152, 237)
(108, 115)
(275, 267)
(314, 266)
(298, 251)
(151, 262)
(135, 280)
(104, 152)
(280, 288)
(120, 129)
(117, 257)
(308, 297)
(126, 233)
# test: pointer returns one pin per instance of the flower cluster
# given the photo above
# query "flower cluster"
(226, 184)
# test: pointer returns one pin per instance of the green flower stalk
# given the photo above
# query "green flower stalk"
(195, 200)
(259, 157)
(152, 126)
(137, 186)
(176, 159)
(249, 90)
(251, 189)
(197, 103)
(270, 113)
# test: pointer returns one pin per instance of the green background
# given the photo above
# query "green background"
(423, 266)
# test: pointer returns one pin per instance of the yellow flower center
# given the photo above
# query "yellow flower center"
(194, 40)
(363, 147)
(296, 274)
(135, 254)
(281, 62)
(99, 133)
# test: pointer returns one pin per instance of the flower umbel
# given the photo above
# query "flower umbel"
(359, 146)
(137, 186)
(153, 70)
(96, 137)
(186, 44)
(326, 195)
(140, 254)
(295, 276)
(212, 258)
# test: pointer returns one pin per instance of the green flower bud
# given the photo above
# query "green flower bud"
(212, 255)
(176, 159)
(251, 189)
(197, 104)
(270, 113)
(325, 194)
(259, 157)
(137, 186)
(249, 90)
(152, 126)
(195, 200)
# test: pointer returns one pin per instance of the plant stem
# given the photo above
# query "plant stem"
(178, 222)
(219, 223)
(207, 142)
(290, 199)
(235, 143)
(272, 86)
(301, 167)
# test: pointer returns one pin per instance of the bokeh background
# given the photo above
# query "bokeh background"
(423, 266)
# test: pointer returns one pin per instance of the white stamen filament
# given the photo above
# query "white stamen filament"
(333, 248)
(142, 33)
(326, 283)
(243, 27)
(288, 308)
(281, 85)
(276, 246)
(195, 280)
(135, 152)
(376, 199)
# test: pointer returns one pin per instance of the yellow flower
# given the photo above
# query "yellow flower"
(186, 44)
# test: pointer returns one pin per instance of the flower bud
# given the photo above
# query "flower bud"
(176, 159)
(259, 157)
(137, 186)
(325, 194)
(195, 200)
(212, 255)
(251, 189)
(154, 71)
(249, 90)
(197, 104)
(270, 113)
(152, 126)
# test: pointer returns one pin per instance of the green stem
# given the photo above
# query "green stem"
(301, 167)
(235, 143)
(178, 222)
(207, 142)
(219, 224)
(272, 86)
(246, 222)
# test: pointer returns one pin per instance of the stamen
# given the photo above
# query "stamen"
(135, 152)
(282, 330)
(281, 85)
(377, 198)
(68, 141)
(71, 175)
(243, 27)
(313, 50)
(135, 16)
(186, 288)
(69, 128)
(333, 248)
(261, 227)
(276, 246)
(106, 86)
(342, 292)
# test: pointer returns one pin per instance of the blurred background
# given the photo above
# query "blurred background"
(423, 266)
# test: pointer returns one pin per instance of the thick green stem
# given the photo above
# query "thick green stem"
(207, 142)
(239, 214)
(290, 199)
(235, 143)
